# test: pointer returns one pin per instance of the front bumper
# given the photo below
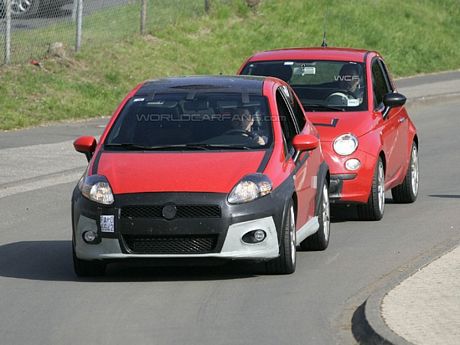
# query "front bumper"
(146, 233)
(349, 186)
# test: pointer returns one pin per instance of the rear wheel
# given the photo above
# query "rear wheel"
(84, 268)
(285, 263)
(320, 239)
(24, 8)
(407, 191)
(375, 206)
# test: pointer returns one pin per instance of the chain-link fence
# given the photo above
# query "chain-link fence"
(31, 29)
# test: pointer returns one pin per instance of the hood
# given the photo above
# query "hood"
(331, 125)
(143, 172)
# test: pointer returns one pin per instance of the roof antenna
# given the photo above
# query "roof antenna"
(324, 43)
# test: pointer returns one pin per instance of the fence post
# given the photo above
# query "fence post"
(74, 10)
(79, 24)
(207, 6)
(7, 57)
(143, 15)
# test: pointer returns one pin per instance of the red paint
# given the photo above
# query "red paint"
(215, 171)
(85, 144)
(135, 172)
(390, 137)
(305, 142)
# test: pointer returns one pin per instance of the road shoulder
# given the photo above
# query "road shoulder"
(374, 320)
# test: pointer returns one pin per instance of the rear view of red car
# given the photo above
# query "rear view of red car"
(202, 168)
(368, 139)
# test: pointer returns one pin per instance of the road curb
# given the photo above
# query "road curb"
(372, 321)
(424, 100)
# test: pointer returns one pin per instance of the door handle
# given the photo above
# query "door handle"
(401, 119)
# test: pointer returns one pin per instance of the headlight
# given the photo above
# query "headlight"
(96, 188)
(346, 144)
(250, 187)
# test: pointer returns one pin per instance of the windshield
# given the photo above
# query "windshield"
(320, 85)
(192, 121)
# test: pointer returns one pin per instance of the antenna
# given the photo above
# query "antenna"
(324, 43)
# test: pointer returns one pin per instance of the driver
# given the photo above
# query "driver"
(349, 80)
(348, 91)
(243, 121)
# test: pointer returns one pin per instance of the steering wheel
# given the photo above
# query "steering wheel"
(237, 131)
(334, 99)
(343, 93)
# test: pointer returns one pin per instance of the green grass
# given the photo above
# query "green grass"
(413, 36)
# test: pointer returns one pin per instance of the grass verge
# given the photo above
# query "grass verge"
(414, 37)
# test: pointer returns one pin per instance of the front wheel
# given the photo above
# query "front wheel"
(285, 263)
(375, 206)
(407, 191)
(320, 239)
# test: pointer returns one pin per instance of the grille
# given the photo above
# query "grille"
(199, 244)
(183, 211)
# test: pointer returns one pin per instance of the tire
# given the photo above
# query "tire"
(285, 263)
(320, 239)
(25, 8)
(407, 191)
(375, 206)
(84, 268)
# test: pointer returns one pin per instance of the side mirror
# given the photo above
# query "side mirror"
(394, 99)
(305, 142)
(85, 145)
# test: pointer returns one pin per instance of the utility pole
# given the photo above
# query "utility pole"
(143, 16)
(7, 57)
(79, 24)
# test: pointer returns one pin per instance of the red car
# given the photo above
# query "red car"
(202, 167)
(367, 137)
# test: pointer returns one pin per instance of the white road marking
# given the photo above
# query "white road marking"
(43, 183)
(27, 168)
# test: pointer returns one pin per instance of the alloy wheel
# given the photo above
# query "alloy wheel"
(292, 235)
(381, 187)
(414, 170)
(326, 213)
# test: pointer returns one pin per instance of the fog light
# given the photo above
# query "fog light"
(352, 164)
(255, 236)
(259, 235)
(89, 236)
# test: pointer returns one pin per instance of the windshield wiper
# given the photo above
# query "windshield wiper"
(197, 146)
(322, 106)
(221, 146)
(132, 146)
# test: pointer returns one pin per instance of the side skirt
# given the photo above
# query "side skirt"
(308, 229)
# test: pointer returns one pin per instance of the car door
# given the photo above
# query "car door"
(402, 138)
(302, 176)
(388, 120)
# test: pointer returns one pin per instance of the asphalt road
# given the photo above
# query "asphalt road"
(41, 301)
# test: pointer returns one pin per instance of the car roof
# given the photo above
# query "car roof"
(247, 84)
(336, 54)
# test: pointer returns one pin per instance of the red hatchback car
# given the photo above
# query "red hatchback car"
(367, 137)
(202, 167)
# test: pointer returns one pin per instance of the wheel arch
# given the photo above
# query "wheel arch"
(295, 202)
(415, 140)
(384, 161)
(323, 175)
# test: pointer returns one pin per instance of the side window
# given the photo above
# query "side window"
(299, 114)
(387, 76)
(379, 84)
(287, 124)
